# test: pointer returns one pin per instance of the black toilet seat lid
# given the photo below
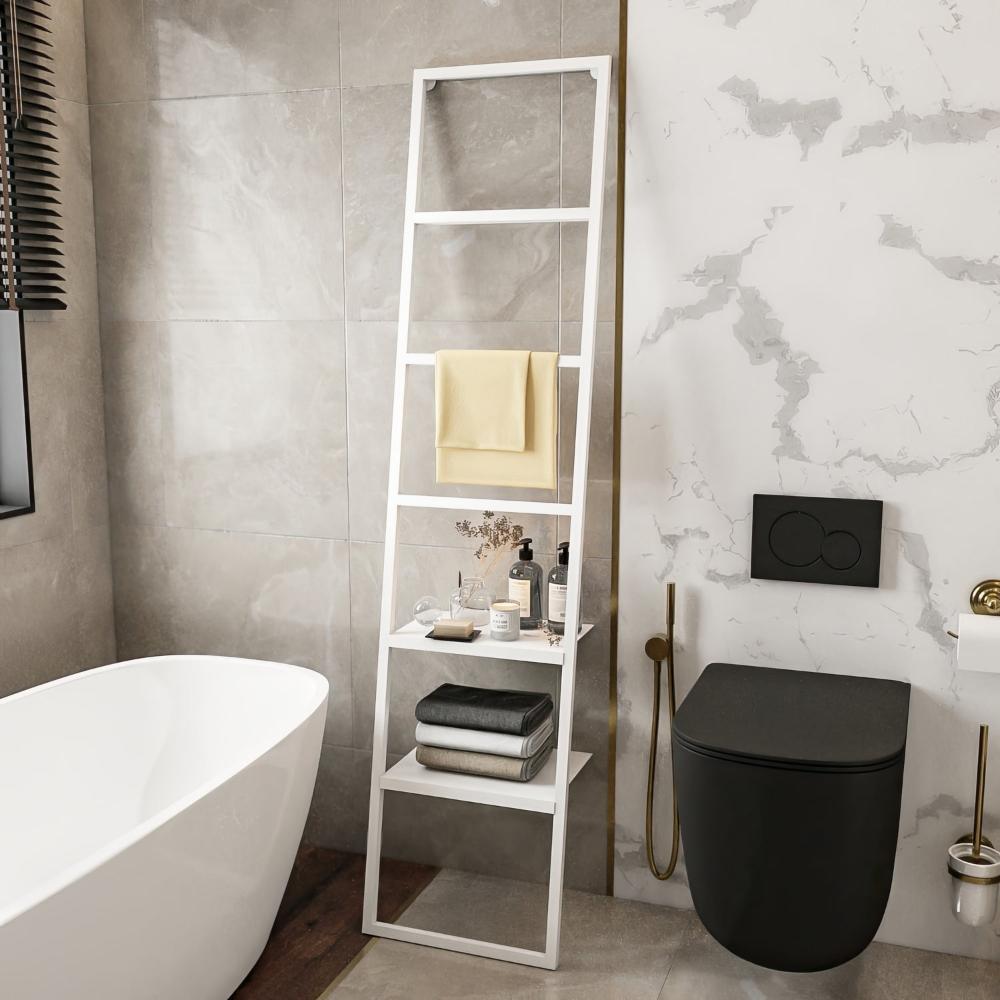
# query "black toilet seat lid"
(795, 717)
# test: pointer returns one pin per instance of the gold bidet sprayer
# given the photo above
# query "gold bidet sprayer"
(660, 648)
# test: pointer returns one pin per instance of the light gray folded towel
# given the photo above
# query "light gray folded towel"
(501, 744)
(486, 765)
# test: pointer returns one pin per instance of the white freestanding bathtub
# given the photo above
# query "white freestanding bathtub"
(149, 816)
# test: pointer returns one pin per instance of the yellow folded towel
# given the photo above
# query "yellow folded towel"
(532, 468)
(480, 399)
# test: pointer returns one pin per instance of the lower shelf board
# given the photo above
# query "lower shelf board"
(537, 795)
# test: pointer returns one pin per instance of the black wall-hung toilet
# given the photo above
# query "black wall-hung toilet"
(789, 787)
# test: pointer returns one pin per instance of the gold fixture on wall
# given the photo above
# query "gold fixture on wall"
(616, 434)
(660, 648)
(985, 598)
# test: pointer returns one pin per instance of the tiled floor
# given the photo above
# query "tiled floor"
(620, 950)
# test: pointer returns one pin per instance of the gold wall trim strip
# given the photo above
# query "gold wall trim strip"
(616, 459)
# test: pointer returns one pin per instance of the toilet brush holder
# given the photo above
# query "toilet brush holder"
(973, 863)
(975, 883)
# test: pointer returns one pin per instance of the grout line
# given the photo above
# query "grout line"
(235, 94)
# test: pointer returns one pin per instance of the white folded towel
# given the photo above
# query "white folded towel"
(502, 744)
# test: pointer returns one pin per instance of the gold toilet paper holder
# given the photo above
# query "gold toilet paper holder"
(984, 600)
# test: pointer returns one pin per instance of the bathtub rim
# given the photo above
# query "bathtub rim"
(91, 862)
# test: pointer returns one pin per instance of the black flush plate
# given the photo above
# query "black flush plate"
(816, 540)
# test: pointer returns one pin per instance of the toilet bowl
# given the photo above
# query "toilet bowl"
(789, 785)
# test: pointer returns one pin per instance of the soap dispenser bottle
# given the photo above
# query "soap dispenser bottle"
(557, 590)
(524, 585)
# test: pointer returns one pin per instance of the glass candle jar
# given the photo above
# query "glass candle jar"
(505, 621)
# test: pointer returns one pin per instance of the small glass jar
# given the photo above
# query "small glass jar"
(472, 601)
(505, 621)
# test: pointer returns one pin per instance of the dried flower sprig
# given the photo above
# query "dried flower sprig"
(554, 638)
(496, 535)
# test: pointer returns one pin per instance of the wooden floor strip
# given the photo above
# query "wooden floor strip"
(317, 933)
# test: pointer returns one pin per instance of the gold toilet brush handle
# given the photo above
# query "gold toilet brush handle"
(977, 833)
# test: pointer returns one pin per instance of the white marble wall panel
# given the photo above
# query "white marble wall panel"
(811, 307)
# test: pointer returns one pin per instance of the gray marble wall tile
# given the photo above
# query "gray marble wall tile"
(590, 28)
(201, 49)
(339, 814)
(94, 584)
(253, 427)
(222, 208)
(246, 212)
(376, 131)
(371, 357)
(55, 608)
(133, 356)
(129, 282)
(40, 637)
(116, 51)
(383, 41)
(265, 597)
(158, 49)
(67, 25)
(486, 273)
(491, 144)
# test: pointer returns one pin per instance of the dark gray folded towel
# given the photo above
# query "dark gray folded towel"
(486, 765)
(516, 712)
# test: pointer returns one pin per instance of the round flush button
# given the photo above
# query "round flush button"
(841, 550)
(797, 538)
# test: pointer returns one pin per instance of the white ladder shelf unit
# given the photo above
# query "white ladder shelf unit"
(548, 792)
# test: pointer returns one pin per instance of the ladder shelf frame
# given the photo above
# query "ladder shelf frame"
(566, 762)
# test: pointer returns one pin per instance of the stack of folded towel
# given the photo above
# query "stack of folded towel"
(483, 731)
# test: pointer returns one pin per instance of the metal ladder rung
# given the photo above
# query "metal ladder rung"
(490, 71)
(565, 360)
(502, 216)
(473, 503)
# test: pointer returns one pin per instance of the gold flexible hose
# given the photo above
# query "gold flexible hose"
(660, 648)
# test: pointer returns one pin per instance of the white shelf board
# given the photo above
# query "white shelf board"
(532, 647)
(537, 795)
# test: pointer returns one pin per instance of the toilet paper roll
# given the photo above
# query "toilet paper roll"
(979, 643)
